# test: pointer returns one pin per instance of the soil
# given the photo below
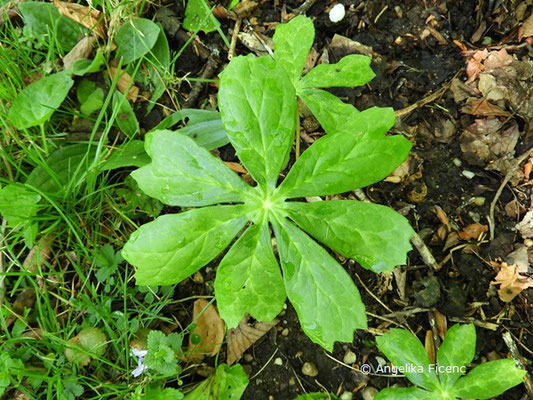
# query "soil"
(407, 70)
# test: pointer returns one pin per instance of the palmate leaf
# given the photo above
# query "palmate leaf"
(375, 236)
(257, 101)
(258, 110)
(249, 279)
(327, 302)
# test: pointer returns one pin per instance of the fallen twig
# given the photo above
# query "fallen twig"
(420, 103)
(234, 37)
(211, 66)
(518, 360)
(509, 175)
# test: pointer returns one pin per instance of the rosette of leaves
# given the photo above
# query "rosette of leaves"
(258, 110)
(458, 349)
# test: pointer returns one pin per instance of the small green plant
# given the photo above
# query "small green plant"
(444, 379)
(258, 109)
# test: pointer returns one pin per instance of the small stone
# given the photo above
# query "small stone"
(479, 201)
(337, 13)
(349, 357)
(369, 393)
(198, 278)
(285, 332)
(398, 11)
(248, 358)
(457, 162)
(309, 369)
(270, 397)
(468, 174)
(292, 381)
(278, 361)
(346, 396)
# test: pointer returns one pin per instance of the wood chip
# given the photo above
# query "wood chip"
(244, 336)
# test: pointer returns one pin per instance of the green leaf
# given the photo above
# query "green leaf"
(128, 154)
(94, 102)
(327, 302)
(203, 126)
(249, 279)
(155, 392)
(17, 204)
(161, 356)
(198, 17)
(411, 393)
(375, 236)
(292, 42)
(457, 349)
(86, 66)
(159, 56)
(89, 342)
(350, 71)
(135, 38)
(175, 246)
(258, 110)
(333, 114)
(126, 119)
(64, 167)
(38, 101)
(404, 350)
(347, 161)
(489, 380)
(44, 22)
(228, 383)
(185, 174)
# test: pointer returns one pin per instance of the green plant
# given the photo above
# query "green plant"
(258, 110)
(443, 380)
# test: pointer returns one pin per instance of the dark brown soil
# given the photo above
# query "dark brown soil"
(408, 71)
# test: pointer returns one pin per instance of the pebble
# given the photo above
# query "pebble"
(278, 361)
(349, 357)
(479, 201)
(468, 174)
(309, 369)
(292, 381)
(337, 13)
(369, 393)
(457, 162)
(285, 332)
(346, 396)
(248, 357)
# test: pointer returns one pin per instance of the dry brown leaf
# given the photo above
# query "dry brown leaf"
(525, 227)
(236, 167)
(511, 282)
(486, 141)
(89, 18)
(497, 59)
(443, 218)
(123, 82)
(244, 336)
(82, 50)
(400, 173)
(526, 30)
(210, 328)
(482, 108)
(474, 65)
(472, 231)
